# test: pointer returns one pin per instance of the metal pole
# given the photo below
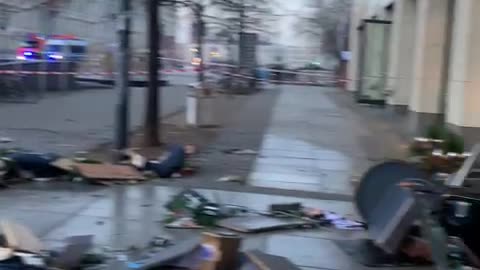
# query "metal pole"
(122, 80)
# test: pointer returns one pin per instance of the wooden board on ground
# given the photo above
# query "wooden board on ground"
(19, 237)
(253, 224)
(264, 261)
(65, 164)
(108, 172)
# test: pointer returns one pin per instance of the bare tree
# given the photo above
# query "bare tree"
(245, 15)
(240, 16)
(324, 22)
(152, 109)
(198, 8)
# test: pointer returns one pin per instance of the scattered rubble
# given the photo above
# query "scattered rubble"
(21, 164)
(231, 178)
(6, 140)
(107, 172)
(189, 209)
(263, 261)
(239, 151)
(256, 224)
(21, 249)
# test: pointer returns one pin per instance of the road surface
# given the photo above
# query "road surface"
(78, 120)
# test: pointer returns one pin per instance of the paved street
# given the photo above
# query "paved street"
(69, 122)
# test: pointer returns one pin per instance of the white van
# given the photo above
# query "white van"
(65, 49)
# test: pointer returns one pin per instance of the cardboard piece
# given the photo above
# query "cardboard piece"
(64, 164)
(264, 261)
(5, 253)
(253, 224)
(18, 237)
(226, 247)
(108, 172)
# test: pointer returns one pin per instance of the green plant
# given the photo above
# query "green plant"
(454, 143)
(437, 132)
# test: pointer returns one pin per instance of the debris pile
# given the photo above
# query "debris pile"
(21, 249)
(211, 251)
(18, 165)
(191, 210)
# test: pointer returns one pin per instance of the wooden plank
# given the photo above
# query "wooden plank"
(108, 172)
(264, 261)
(19, 237)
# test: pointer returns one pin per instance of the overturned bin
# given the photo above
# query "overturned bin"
(412, 216)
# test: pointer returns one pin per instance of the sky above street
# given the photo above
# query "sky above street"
(286, 26)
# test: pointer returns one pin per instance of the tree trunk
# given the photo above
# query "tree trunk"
(152, 98)
(201, 32)
(240, 34)
(122, 80)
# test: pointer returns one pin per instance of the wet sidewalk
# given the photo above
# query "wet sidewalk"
(311, 144)
(124, 217)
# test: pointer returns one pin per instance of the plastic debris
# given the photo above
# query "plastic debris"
(6, 140)
(231, 178)
(238, 151)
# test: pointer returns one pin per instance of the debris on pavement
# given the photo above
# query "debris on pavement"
(166, 255)
(255, 224)
(160, 241)
(239, 151)
(6, 140)
(21, 249)
(186, 201)
(183, 223)
(65, 164)
(5, 253)
(232, 178)
(70, 257)
(191, 210)
(263, 261)
(19, 237)
(225, 248)
(108, 172)
(286, 207)
(343, 223)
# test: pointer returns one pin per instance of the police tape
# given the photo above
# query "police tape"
(214, 64)
(27, 72)
(110, 75)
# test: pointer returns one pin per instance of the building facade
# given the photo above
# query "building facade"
(420, 57)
